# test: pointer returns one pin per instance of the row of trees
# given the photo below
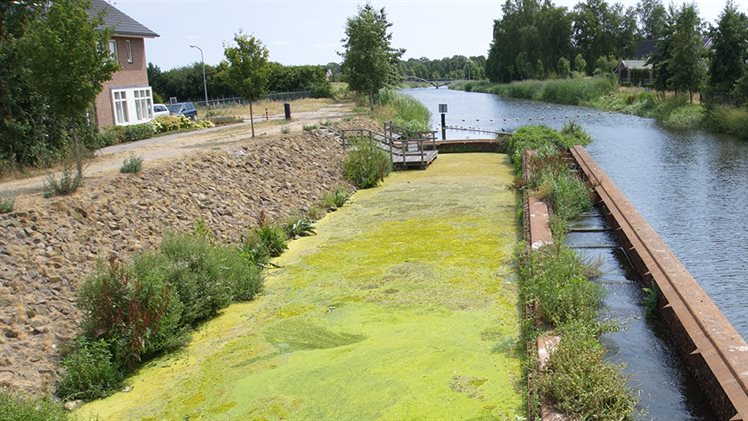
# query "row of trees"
(45, 102)
(455, 67)
(186, 82)
(684, 62)
(533, 36)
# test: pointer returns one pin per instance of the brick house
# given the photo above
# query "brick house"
(126, 98)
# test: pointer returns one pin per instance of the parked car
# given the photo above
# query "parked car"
(160, 110)
(186, 109)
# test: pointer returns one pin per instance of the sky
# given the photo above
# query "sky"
(310, 32)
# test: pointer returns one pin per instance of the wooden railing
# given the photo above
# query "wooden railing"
(402, 144)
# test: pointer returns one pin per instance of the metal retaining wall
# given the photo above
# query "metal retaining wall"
(712, 348)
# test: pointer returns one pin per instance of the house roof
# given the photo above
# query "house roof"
(636, 64)
(645, 48)
(118, 22)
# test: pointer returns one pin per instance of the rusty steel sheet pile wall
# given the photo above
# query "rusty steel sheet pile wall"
(712, 348)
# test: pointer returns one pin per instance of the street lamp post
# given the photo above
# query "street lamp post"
(205, 83)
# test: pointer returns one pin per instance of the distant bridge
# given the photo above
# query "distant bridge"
(433, 82)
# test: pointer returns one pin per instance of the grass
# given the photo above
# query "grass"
(336, 198)
(70, 177)
(7, 203)
(17, 408)
(556, 283)
(273, 108)
(672, 111)
(132, 165)
(560, 91)
(401, 109)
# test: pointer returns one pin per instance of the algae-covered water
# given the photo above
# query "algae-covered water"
(401, 307)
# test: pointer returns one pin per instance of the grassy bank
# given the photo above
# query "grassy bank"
(556, 283)
(673, 112)
(560, 91)
(403, 110)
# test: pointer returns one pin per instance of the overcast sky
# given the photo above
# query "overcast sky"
(309, 32)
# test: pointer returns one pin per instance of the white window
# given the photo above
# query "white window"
(132, 105)
(113, 50)
(143, 104)
(120, 108)
(129, 50)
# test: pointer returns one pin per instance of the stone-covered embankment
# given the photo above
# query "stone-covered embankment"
(48, 246)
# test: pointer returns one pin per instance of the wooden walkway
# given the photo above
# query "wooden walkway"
(408, 149)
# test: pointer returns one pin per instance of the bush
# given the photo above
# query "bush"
(582, 384)
(71, 176)
(408, 111)
(224, 119)
(575, 130)
(538, 138)
(89, 372)
(132, 165)
(7, 203)
(133, 308)
(299, 227)
(686, 117)
(264, 242)
(310, 127)
(730, 120)
(16, 408)
(336, 198)
(366, 165)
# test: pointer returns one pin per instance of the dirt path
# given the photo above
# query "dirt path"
(157, 150)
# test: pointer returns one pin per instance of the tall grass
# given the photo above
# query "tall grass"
(13, 407)
(367, 164)
(403, 110)
(729, 120)
(560, 91)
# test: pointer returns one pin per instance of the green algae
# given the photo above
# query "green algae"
(402, 307)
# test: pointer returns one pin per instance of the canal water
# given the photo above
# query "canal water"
(691, 186)
(403, 306)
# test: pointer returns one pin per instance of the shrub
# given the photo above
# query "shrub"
(299, 227)
(336, 198)
(730, 120)
(575, 130)
(309, 128)
(132, 165)
(16, 408)
(198, 276)
(581, 383)
(408, 111)
(89, 372)
(7, 203)
(224, 119)
(366, 165)
(538, 138)
(133, 308)
(71, 176)
(285, 129)
(686, 117)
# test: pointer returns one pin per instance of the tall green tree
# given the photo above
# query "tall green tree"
(53, 61)
(602, 30)
(370, 63)
(688, 59)
(730, 46)
(652, 19)
(248, 70)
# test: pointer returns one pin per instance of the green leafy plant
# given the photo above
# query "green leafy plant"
(7, 203)
(651, 296)
(89, 371)
(336, 198)
(309, 128)
(132, 165)
(581, 383)
(264, 242)
(366, 165)
(299, 227)
(19, 408)
(70, 177)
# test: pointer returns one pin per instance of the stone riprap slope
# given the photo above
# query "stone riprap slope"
(49, 247)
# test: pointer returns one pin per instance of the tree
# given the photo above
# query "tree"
(601, 30)
(563, 67)
(580, 64)
(248, 71)
(53, 61)
(687, 65)
(652, 19)
(730, 46)
(369, 62)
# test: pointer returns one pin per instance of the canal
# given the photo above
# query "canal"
(691, 186)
